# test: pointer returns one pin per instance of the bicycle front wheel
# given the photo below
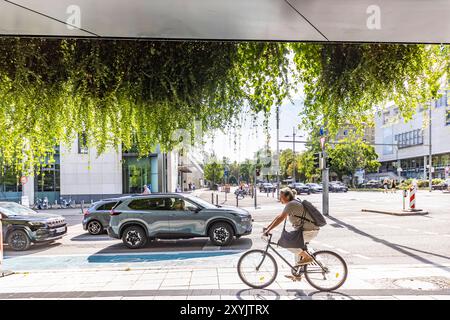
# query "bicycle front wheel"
(328, 273)
(257, 269)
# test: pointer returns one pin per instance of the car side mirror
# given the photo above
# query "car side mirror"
(195, 210)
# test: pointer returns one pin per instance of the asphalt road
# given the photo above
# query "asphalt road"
(361, 238)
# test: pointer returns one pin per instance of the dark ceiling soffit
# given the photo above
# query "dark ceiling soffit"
(306, 10)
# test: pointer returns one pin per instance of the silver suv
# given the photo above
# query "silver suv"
(138, 219)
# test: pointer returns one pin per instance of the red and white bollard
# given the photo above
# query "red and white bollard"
(412, 198)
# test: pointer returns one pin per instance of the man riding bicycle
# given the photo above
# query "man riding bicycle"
(299, 218)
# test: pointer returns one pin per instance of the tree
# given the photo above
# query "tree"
(127, 93)
(213, 172)
(139, 93)
(343, 82)
(350, 155)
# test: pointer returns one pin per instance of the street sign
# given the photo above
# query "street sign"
(321, 131)
(23, 180)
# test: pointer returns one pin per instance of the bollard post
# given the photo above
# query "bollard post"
(82, 206)
(217, 199)
(404, 197)
(212, 198)
(237, 201)
(412, 198)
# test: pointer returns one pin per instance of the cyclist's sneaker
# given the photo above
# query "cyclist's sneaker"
(293, 278)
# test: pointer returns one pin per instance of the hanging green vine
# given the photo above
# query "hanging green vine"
(135, 93)
(138, 93)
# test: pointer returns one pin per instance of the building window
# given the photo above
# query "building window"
(410, 138)
(48, 179)
(82, 143)
(136, 174)
(9, 182)
(385, 117)
(442, 101)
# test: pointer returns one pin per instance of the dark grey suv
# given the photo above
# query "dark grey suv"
(96, 218)
(22, 226)
(138, 219)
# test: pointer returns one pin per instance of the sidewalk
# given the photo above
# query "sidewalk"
(199, 282)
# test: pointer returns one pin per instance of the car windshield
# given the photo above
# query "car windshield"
(15, 209)
(201, 202)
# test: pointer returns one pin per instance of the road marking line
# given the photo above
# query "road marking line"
(361, 256)
(433, 233)
(328, 246)
(342, 251)
(414, 230)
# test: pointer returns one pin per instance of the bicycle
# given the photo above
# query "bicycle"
(65, 204)
(42, 204)
(262, 268)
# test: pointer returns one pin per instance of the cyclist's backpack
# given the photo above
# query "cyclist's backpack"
(318, 218)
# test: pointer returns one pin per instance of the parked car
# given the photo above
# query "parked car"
(23, 226)
(300, 188)
(315, 187)
(372, 184)
(137, 220)
(96, 218)
(267, 187)
(337, 186)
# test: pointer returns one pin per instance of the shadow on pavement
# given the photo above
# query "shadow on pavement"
(88, 237)
(400, 248)
(162, 250)
(259, 294)
(35, 248)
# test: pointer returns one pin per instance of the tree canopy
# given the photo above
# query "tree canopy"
(138, 93)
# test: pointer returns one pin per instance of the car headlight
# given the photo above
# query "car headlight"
(37, 224)
(246, 219)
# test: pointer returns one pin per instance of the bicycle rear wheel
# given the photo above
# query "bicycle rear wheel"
(257, 269)
(328, 273)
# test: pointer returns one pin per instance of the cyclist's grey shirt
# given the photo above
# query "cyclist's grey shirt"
(295, 211)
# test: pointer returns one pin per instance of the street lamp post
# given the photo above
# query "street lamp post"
(430, 172)
(294, 163)
(278, 153)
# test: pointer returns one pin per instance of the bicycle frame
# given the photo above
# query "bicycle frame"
(293, 268)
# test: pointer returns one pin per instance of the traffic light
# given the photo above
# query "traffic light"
(317, 157)
(329, 161)
(258, 173)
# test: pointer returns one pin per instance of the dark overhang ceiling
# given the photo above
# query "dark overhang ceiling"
(410, 21)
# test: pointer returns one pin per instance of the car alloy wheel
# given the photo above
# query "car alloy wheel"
(94, 227)
(221, 235)
(133, 238)
(19, 240)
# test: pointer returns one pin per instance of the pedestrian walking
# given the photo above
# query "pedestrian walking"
(146, 190)
(385, 185)
(394, 186)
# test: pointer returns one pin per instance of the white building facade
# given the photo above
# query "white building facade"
(81, 175)
(404, 147)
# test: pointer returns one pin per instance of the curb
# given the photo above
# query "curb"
(397, 213)
(5, 273)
